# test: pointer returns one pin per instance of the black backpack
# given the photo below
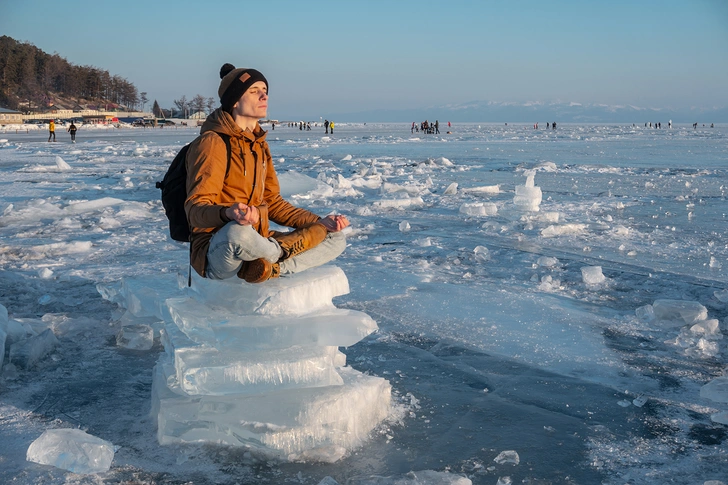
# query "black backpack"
(174, 192)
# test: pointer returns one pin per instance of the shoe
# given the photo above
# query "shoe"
(295, 242)
(259, 270)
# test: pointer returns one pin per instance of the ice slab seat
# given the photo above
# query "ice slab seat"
(295, 294)
(226, 329)
(200, 369)
(216, 373)
(287, 422)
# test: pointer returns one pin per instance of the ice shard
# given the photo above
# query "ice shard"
(72, 450)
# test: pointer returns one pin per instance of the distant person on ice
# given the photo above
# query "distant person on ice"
(52, 130)
(228, 209)
(72, 130)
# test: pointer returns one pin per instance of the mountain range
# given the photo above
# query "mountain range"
(542, 112)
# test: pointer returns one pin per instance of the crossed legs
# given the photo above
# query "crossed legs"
(234, 243)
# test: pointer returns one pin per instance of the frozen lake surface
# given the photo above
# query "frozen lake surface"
(496, 330)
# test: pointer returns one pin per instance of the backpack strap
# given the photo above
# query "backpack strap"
(226, 139)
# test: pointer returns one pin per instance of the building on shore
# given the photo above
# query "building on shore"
(10, 117)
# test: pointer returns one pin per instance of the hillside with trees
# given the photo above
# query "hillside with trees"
(32, 80)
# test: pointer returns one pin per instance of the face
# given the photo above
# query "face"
(254, 103)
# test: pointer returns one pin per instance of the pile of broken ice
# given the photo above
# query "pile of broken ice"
(257, 365)
(698, 337)
(25, 342)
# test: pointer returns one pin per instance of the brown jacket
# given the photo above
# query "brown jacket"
(251, 180)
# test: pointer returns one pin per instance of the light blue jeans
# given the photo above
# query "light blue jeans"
(233, 244)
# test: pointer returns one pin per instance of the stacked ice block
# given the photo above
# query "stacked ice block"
(259, 365)
(528, 196)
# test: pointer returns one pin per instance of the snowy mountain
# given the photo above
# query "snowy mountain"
(538, 111)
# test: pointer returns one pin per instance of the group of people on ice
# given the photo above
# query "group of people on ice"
(548, 125)
(427, 127)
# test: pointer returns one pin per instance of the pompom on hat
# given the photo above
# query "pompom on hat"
(235, 82)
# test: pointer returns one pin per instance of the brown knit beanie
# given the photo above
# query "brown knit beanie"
(234, 84)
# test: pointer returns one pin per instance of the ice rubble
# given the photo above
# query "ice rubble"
(479, 209)
(681, 311)
(483, 190)
(409, 203)
(507, 456)
(698, 337)
(23, 345)
(258, 365)
(592, 275)
(451, 189)
(72, 450)
(697, 334)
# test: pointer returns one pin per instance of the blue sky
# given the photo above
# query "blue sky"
(345, 56)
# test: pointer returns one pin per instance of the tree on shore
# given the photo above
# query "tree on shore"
(182, 105)
(198, 103)
(31, 78)
(157, 110)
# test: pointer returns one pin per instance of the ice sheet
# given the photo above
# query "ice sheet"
(646, 205)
